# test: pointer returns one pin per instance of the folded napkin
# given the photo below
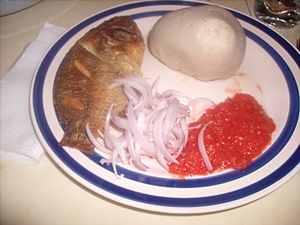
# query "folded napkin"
(17, 138)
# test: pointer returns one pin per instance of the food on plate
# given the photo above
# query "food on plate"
(228, 135)
(102, 101)
(109, 51)
(207, 42)
(153, 126)
(232, 135)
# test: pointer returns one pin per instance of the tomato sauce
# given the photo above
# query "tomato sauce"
(239, 132)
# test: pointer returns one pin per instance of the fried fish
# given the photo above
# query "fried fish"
(113, 49)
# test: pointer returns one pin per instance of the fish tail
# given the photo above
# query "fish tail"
(77, 140)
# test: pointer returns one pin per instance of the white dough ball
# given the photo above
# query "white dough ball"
(207, 42)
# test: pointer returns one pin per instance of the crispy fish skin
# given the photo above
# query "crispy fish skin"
(112, 50)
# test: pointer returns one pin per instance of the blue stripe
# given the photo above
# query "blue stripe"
(288, 130)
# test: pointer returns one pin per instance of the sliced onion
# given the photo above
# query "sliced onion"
(202, 148)
(132, 124)
(94, 140)
(154, 125)
(131, 94)
(134, 151)
(119, 121)
(154, 87)
(198, 106)
(158, 137)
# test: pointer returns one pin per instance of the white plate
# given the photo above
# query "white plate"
(271, 75)
(8, 6)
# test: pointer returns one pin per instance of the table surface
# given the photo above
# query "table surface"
(44, 194)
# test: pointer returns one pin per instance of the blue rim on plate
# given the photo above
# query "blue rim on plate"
(293, 116)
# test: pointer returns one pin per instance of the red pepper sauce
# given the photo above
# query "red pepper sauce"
(239, 132)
